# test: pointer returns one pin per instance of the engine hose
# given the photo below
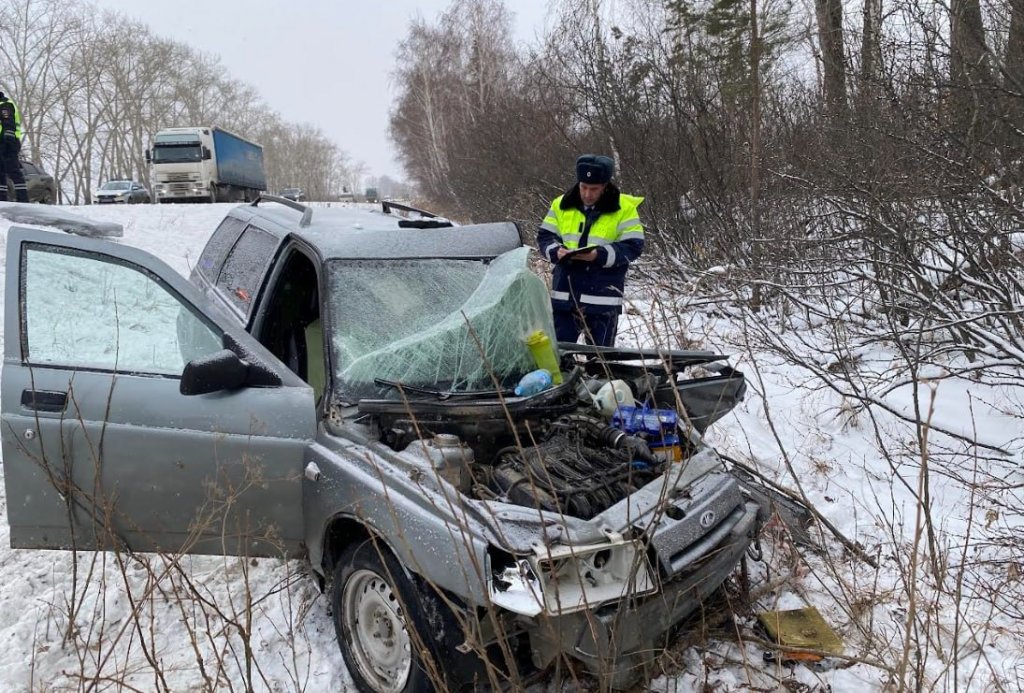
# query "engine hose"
(612, 437)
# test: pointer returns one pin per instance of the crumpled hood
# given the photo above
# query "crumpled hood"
(516, 528)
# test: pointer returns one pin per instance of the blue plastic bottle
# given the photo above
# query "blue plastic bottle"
(533, 382)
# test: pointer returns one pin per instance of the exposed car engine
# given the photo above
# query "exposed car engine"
(569, 452)
(572, 470)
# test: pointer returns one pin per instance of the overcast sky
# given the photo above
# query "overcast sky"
(324, 62)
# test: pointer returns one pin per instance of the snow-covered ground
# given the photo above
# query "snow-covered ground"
(218, 623)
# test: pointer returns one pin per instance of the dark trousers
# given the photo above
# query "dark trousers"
(597, 328)
(10, 167)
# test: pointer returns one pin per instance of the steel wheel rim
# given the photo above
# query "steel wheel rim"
(375, 622)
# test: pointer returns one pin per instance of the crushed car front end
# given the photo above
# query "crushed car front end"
(613, 605)
(590, 531)
(607, 591)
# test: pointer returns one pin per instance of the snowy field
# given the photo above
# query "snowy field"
(181, 624)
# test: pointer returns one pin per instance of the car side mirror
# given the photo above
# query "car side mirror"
(221, 370)
(149, 157)
(206, 152)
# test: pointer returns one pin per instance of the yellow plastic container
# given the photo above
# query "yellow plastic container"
(544, 354)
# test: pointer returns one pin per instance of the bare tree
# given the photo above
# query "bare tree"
(1013, 87)
(871, 45)
(970, 73)
(969, 63)
(302, 156)
(419, 120)
(1015, 49)
(830, 39)
(454, 78)
(93, 88)
(35, 38)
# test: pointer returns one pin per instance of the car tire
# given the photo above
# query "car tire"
(385, 621)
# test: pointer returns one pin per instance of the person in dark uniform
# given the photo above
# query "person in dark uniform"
(590, 234)
(10, 148)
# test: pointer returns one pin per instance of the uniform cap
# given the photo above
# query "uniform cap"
(595, 169)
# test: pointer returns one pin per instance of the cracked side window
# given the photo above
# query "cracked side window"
(245, 266)
(217, 248)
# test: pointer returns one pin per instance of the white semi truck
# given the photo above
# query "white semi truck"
(205, 164)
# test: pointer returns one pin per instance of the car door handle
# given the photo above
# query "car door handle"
(44, 400)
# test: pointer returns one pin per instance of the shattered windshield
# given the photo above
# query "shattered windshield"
(441, 324)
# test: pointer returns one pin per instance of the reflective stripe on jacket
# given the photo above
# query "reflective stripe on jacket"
(614, 229)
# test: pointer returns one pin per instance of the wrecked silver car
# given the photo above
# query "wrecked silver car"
(341, 384)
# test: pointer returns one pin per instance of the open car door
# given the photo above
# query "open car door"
(101, 448)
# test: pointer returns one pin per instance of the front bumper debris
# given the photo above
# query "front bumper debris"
(617, 642)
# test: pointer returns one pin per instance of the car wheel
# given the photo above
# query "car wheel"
(395, 636)
(213, 194)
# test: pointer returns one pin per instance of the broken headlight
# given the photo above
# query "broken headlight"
(563, 579)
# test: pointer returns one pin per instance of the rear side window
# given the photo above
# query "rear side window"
(218, 246)
(240, 277)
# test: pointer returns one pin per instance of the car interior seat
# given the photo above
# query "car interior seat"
(316, 366)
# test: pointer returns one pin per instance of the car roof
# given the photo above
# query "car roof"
(362, 232)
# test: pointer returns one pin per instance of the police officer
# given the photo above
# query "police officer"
(591, 234)
(10, 147)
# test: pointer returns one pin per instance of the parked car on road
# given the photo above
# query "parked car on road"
(347, 379)
(295, 194)
(122, 192)
(40, 184)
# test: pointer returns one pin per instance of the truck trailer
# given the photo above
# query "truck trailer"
(205, 164)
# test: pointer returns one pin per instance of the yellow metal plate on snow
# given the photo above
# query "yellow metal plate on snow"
(803, 628)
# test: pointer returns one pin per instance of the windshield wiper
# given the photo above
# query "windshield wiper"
(441, 394)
